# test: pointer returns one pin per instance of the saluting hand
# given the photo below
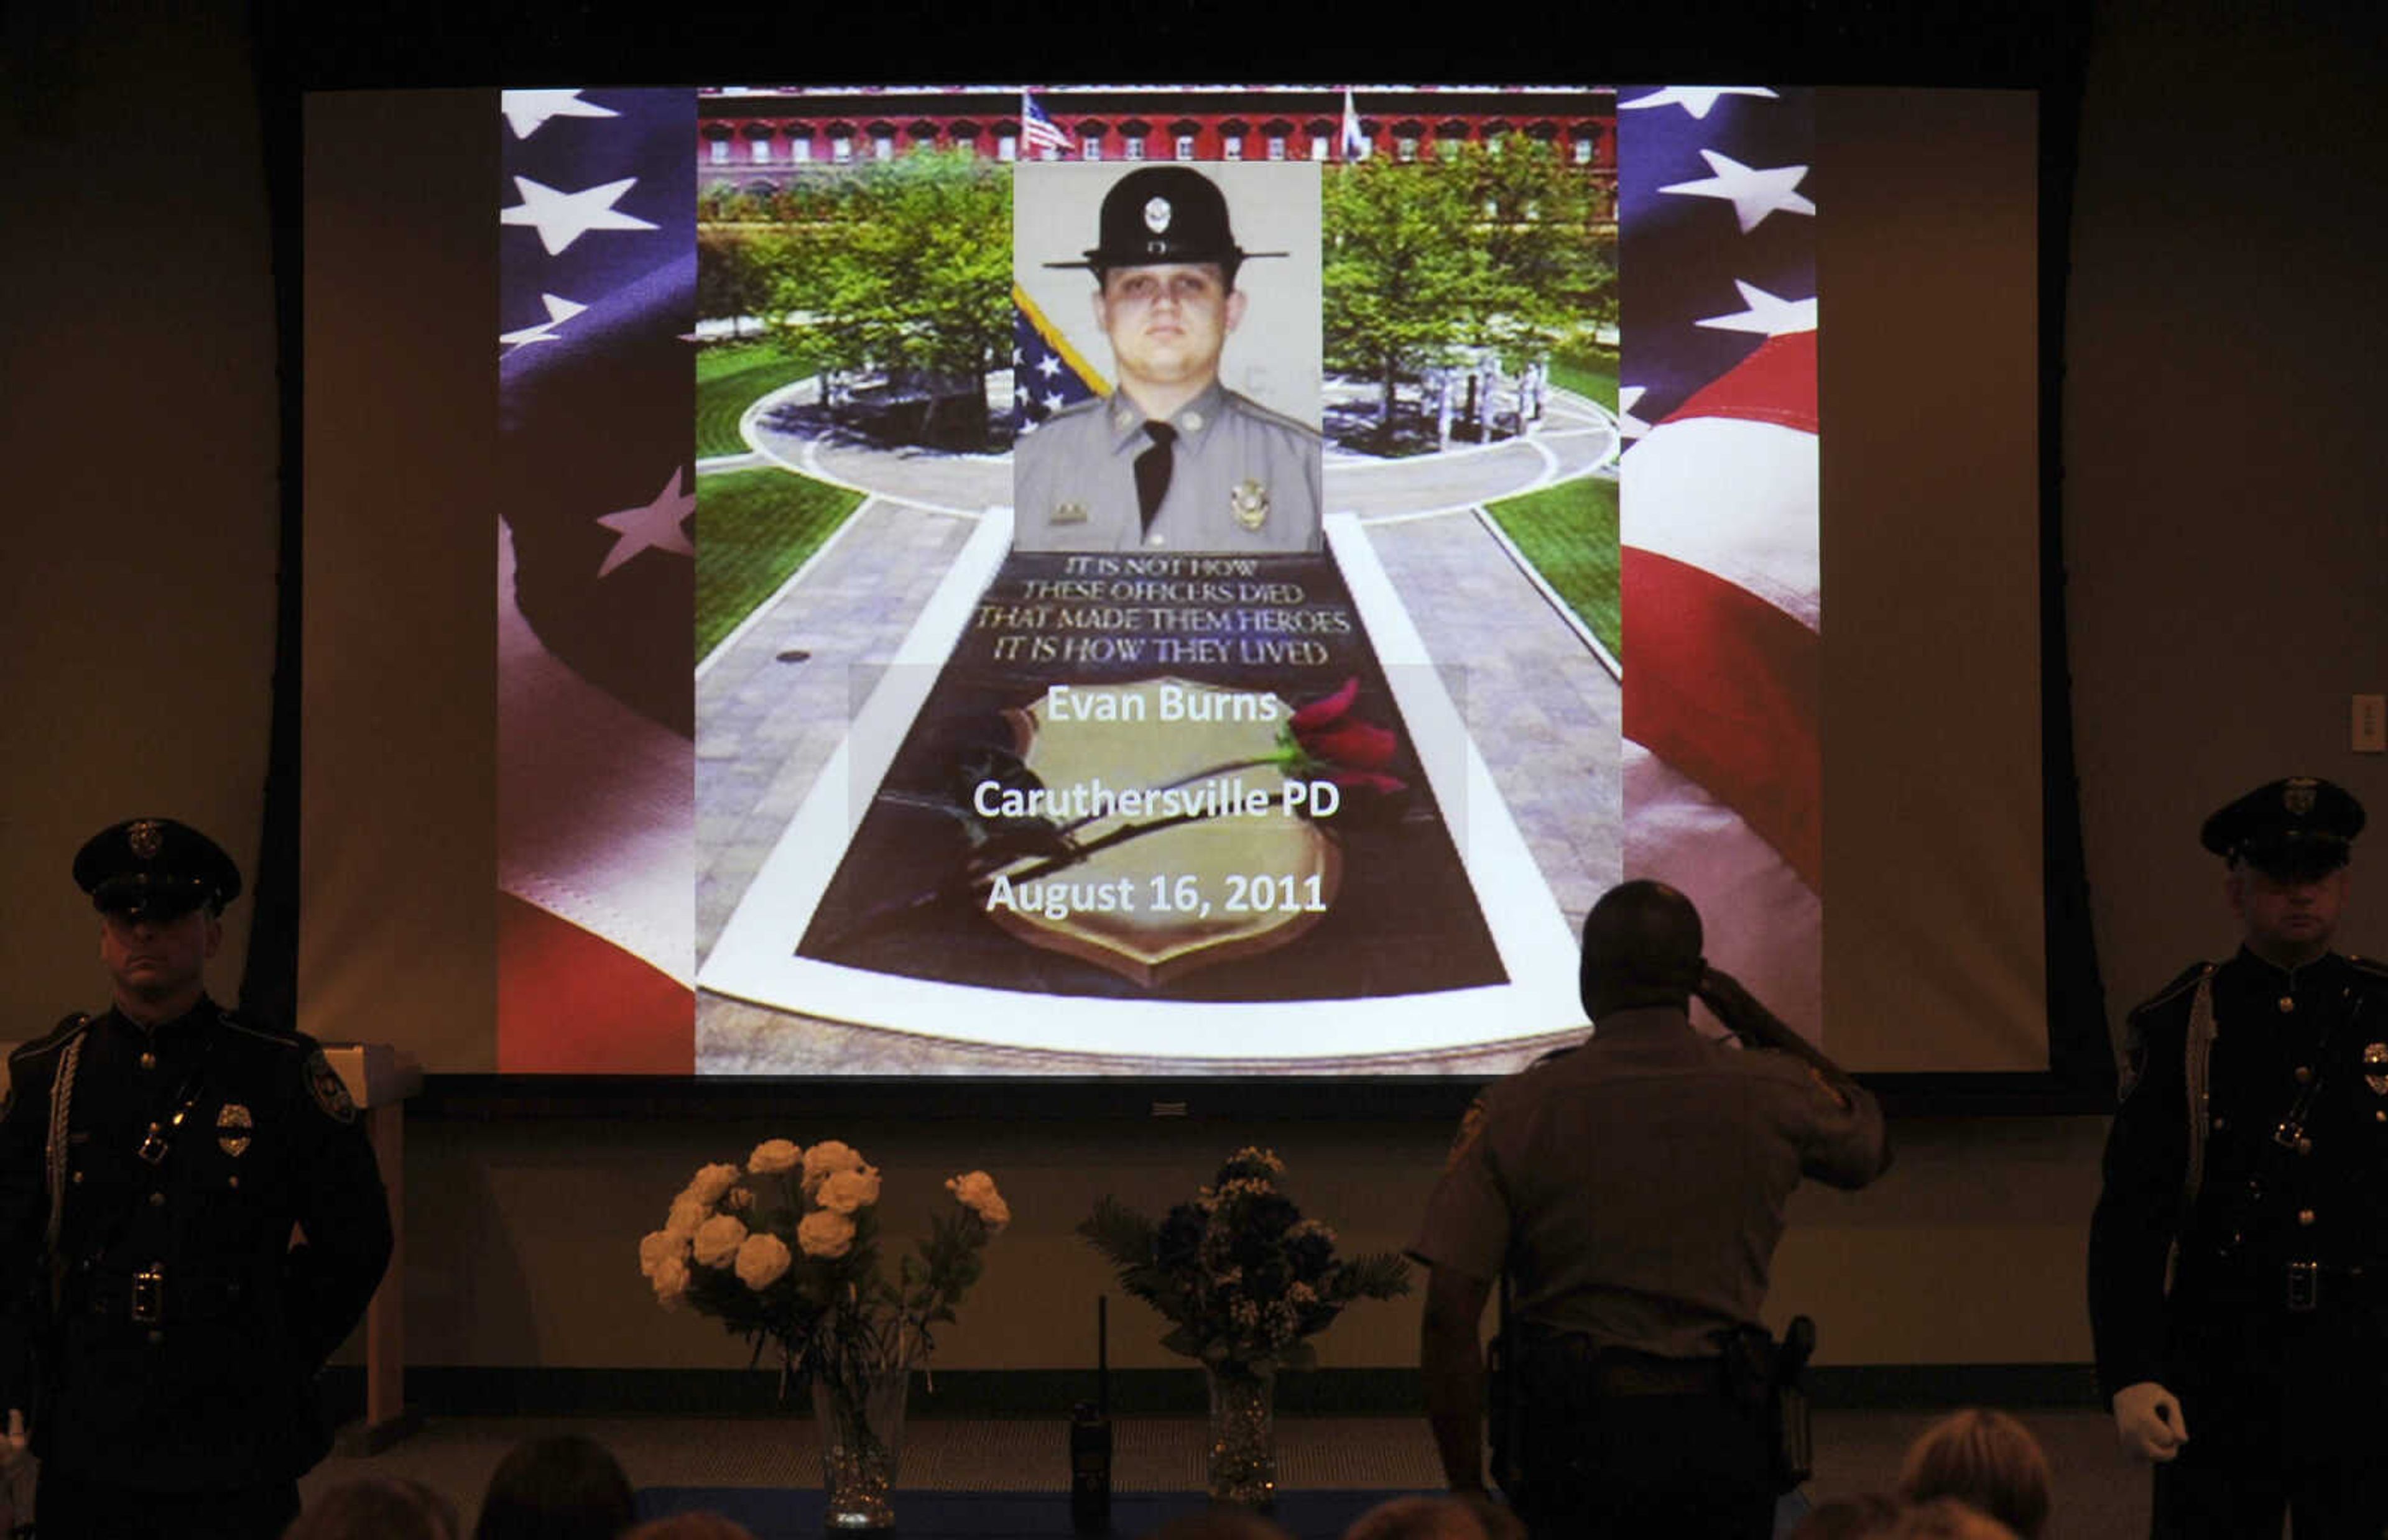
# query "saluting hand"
(2148, 1420)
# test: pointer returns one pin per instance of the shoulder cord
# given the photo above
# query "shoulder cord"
(55, 1154)
(2197, 1057)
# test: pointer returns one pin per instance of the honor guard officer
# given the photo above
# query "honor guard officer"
(2250, 1151)
(1633, 1190)
(1173, 459)
(163, 1331)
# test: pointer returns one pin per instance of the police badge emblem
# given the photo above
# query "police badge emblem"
(1249, 503)
(233, 1126)
(2375, 1067)
(331, 1093)
(1156, 215)
(2298, 795)
(146, 838)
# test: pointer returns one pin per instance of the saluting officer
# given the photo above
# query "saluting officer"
(2251, 1150)
(1173, 459)
(1634, 1190)
(164, 1330)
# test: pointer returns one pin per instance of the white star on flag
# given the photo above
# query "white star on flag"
(559, 310)
(1754, 194)
(1768, 315)
(1054, 402)
(1629, 425)
(1695, 99)
(527, 110)
(563, 217)
(654, 528)
(1048, 366)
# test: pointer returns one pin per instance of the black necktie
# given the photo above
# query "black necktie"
(1152, 469)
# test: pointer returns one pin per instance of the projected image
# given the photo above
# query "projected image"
(981, 791)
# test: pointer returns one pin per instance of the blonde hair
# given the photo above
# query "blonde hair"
(1987, 1459)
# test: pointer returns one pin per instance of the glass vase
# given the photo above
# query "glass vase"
(1243, 1434)
(861, 1429)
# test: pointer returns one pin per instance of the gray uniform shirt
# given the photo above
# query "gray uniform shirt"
(1245, 479)
(1635, 1185)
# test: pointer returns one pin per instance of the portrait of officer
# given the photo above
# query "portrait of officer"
(1173, 459)
(159, 1329)
(2248, 1164)
(1633, 1189)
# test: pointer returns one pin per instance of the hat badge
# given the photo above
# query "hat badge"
(2298, 795)
(1156, 215)
(146, 838)
(2375, 1067)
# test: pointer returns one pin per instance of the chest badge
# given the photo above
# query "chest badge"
(233, 1126)
(1249, 503)
(2375, 1067)
(1067, 513)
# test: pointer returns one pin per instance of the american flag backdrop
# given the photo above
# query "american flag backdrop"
(1046, 373)
(596, 580)
(1721, 580)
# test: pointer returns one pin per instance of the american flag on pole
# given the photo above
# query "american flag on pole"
(1355, 142)
(596, 580)
(1721, 578)
(1036, 131)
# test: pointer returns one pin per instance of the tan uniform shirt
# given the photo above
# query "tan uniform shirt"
(1634, 1186)
(1244, 479)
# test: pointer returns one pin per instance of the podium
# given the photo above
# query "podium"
(379, 1078)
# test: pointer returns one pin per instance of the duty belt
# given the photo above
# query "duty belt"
(1576, 1365)
(150, 1296)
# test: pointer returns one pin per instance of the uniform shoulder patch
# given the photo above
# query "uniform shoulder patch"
(1471, 1128)
(330, 1092)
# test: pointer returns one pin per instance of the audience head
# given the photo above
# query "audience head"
(1451, 1518)
(1869, 1515)
(1987, 1459)
(692, 1526)
(377, 1508)
(567, 1487)
(1947, 1519)
(1641, 946)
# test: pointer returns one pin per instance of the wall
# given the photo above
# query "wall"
(2224, 545)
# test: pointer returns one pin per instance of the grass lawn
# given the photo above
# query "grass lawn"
(731, 378)
(753, 529)
(1568, 532)
(1590, 375)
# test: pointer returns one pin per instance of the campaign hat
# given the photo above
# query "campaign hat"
(2295, 829)
(156, 869)
(1160, 214)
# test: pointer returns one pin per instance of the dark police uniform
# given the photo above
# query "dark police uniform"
(1634, 1188)
(164, 1331)
(1242, 478)
(2250, 1151)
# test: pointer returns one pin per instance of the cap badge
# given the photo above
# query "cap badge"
(232, 1129)
(1067, 513)
(1249, 502)
(2298, 795)
(2375, 1067)
(1156, 215)
(146, 838)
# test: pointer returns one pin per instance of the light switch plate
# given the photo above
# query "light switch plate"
(2369, 728)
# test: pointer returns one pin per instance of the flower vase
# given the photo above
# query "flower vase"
(1243, 1434)
(861, 1429)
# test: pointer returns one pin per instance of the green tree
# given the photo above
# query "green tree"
(1545, 265)
(905, 267)
(1398, 287)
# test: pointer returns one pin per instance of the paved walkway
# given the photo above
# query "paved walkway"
(1543, 708)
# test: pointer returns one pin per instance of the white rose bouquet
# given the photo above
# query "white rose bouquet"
(784, 1251)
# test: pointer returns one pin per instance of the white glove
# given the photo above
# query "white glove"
(2148, 1421)
(13, 1455)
